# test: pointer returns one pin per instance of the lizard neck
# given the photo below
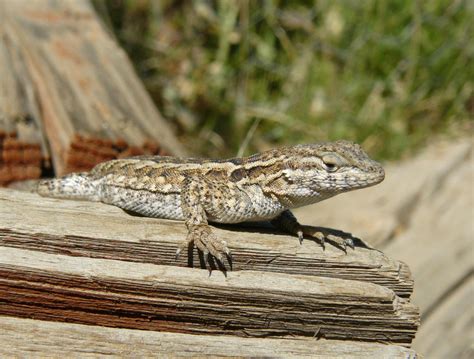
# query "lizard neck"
(301, 197)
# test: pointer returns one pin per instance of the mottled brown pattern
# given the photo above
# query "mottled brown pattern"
(264, 186)
(238, 174)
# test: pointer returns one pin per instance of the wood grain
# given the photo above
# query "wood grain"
(65, 76)
(34, 338)
(29, 221)
(22, 148)
(165, 298)
(89, 263)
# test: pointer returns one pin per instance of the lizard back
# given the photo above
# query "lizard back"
(231, 190)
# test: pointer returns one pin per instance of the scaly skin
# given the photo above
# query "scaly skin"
(264, 186)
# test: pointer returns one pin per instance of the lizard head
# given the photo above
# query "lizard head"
(311, 173)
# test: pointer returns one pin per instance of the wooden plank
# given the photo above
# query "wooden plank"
(19, 159)
(96, 230)
(245, 303)
(35, 338)
(86, 95)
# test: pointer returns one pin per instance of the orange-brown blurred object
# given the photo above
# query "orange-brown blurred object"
(69, 97)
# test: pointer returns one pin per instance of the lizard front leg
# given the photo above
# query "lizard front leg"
(199, 232)
(288, 222)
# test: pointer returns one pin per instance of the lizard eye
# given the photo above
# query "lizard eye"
(331, 163)
(331, 167)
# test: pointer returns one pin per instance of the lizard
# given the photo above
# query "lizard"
(261, 187)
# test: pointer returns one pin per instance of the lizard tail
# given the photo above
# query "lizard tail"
(72, 186)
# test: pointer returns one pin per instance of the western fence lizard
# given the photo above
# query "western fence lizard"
(261, 187)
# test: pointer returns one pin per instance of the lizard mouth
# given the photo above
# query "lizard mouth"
(380, 175)
(375, 177)
(369, 179)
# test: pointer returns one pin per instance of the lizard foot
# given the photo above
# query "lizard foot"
(337, 238)
(208, 244)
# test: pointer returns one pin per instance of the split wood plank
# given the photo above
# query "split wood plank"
(246, 303)
(77, 84)
(96, 230)
(35, 338)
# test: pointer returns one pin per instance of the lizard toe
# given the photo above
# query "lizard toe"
(300, 236)
(213, 249)
(349, 242)
(187, 243)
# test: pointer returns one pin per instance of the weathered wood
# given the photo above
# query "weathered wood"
(65, 75)
(123, 286)
(245, 303)
(20, 135)
(34, 338)
(96, 230)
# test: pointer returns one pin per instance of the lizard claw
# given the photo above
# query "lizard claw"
(337, 238)
(350, 243)
(214, 251)
(180, 248)
(300, 236)
(229, 259)
(288, 222)
(322, 242)
(342, 242)
(321, 238)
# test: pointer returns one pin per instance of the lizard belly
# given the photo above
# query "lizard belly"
(246, 205)
(146, 203)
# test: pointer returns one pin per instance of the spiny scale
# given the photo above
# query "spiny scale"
(264, 186)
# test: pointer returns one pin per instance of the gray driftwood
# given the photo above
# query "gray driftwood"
(20, 337)
(29, 221)
(46, 273)
(165, 298)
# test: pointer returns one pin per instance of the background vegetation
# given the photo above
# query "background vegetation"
(238, 76)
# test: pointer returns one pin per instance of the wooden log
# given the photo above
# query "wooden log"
(21, 143)
(25, 337)
(153, 297)
(63, 72)
(29, 221)
(40, 279)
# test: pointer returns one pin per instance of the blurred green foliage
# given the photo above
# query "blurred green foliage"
(238, 76)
